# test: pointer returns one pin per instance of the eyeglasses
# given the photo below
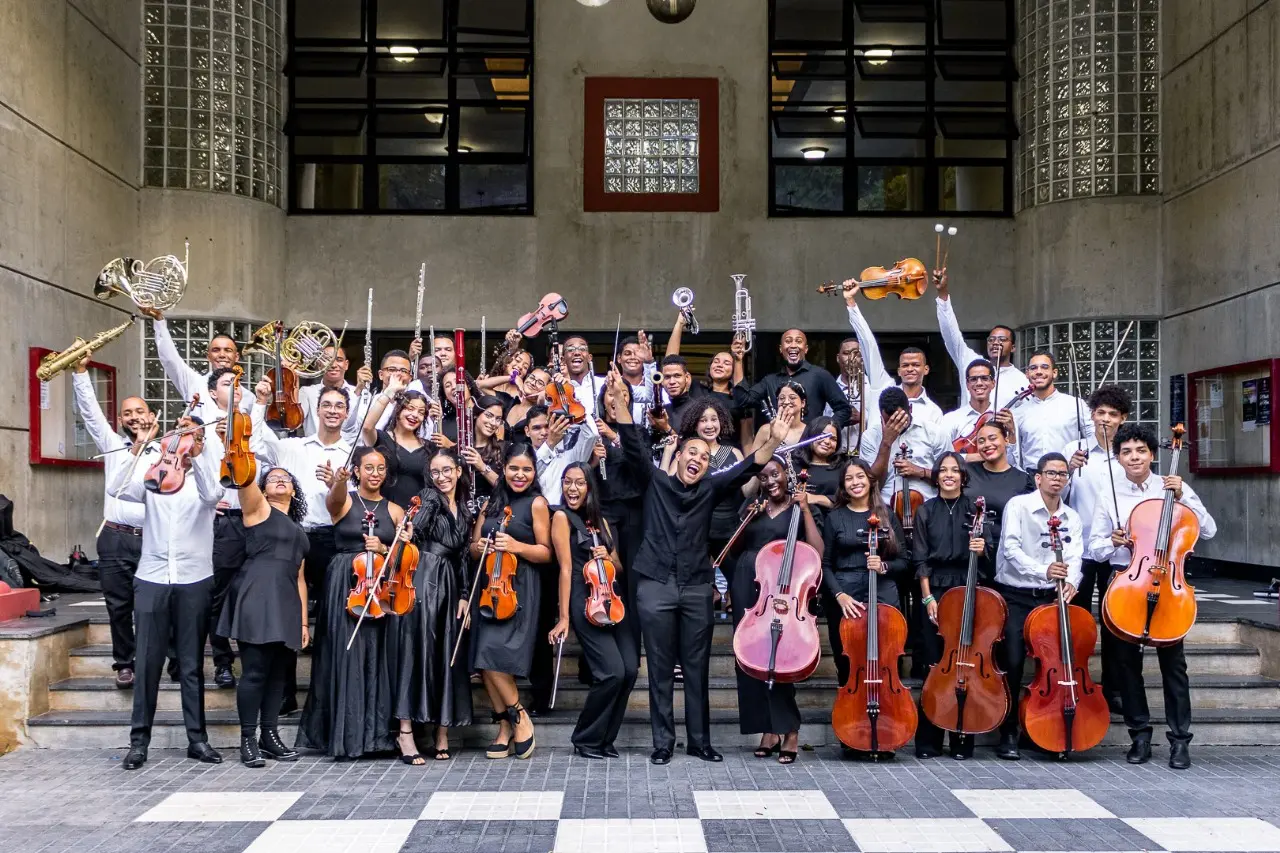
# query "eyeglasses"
(333, 407)
(276, 481)
(1054, 475)
(443, 472)
(403, 371)
(997, 339)
(381, 469)
(974, 380)
(535, 381)
(577, 348)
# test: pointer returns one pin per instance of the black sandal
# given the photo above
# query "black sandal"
(414, 760)
(495, 749)
(786, 756)
(443, 754)
(763, 751)
(523, 749)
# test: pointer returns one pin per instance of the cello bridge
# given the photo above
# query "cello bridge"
(780, 606)
(872, 681)
(965, 663)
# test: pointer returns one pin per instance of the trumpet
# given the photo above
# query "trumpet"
(303, 348)
(56, 362)
(744, 325)
(156, 284)
(682, 298)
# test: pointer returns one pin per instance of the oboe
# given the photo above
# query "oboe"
(466, 427)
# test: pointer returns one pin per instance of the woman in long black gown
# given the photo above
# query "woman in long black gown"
(612, 655)
(266, 610)
(405, 452)
(348, 710)
(484, 457)
(503, 650)
(427, 690)
(771, 712)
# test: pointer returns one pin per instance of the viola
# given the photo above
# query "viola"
(284, 408)
(239, 466)
(874, 712)
(560, 397)
(1063, 710)
(969, 443)
(363, 600)
(777, 639)
(402, 560)
(907, 279)
(498, 598)
(966, 691)
(168, 474)
(552, 308)
(1150, 602)
(906, 500)
(604, 604)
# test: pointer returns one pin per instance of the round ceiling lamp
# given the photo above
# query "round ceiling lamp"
(816, 152)
(593, 2)
(671, 11)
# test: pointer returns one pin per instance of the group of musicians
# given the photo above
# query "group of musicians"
(542, 499)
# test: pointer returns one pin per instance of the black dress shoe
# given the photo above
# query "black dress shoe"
(661, 755)
(610, 751)
(961, 746)
(124, 678)
(136, 757)
(224, 678)
(1140, 750)
(1179, 754)
(706, 753)
(926, 752)
(203, 752)
(588, 752)
(1008, 748)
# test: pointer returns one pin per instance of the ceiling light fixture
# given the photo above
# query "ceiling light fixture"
(837, 114)
(815, 152)
(403, 52)
(434, 118)
(464, 149)
(593, 2)
(878, 55)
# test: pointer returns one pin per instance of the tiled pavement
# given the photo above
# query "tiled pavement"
(81, 800)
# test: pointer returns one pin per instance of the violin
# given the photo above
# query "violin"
(907, 279)
(1150, 602)
(604, 605)
(551, 309)
(966, 691)
(777, 639)
(874, 712)
(906, 500)
(1062, 710)
(168, 474)
(239, 467)
(560, 397)
(364, 600)
(284, 408)
(498, 599)
(398, 592)
(969, 443)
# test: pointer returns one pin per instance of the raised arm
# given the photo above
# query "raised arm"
(181, 374)
(677, 331)
(872, 360)
(95, 422)
(961, 353)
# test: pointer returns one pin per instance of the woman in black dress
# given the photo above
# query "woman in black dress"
(997, 480)
(940, 549)
(348, 710)
(401, 446)
(845, 562)
(503, 650)
(266, 610)
(612, 655)
(426, 689)
(770, 712)
(484, 457)
(822, 461)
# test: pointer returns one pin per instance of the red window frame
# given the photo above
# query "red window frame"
(704, 89)
(35, 455)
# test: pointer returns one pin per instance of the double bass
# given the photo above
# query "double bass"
(1062, 710)
(777, 639)
(603, 605)
(498, 599)
(966, 692)
(874, 712)
(239, 466)
(1150, 602)
(906, 500)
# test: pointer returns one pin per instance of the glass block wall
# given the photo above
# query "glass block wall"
(1089, 99)
(212, 96)
(651, 145)
(192, 340)
(1137, 367)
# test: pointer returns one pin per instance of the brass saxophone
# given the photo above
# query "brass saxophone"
(56, 362)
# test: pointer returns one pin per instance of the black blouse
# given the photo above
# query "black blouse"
(844, 552)
(940, 543)
(997, 489)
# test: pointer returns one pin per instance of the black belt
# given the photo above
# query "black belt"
(122, 528)
(1036, 592)
(440, 550)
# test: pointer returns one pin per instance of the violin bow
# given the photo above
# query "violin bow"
(555, 679)
(475, 584)
(1075, 382)
(1115, 355)
(1115, 502)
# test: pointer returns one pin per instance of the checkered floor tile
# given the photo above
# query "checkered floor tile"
(1222, 834)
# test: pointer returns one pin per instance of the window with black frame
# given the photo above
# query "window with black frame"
(891, 107)
(410, 106)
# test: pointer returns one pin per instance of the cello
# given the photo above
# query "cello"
(1150, 602)
(906, 280)
(603, 605)
(239, 467)
(168, 474)
(966, 692)
(1062, 710)
(906, 500)
(777, 639)
(399, 593)
(498, 599)
(874, 712)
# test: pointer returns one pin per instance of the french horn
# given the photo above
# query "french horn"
(158, 283)
(302, 350)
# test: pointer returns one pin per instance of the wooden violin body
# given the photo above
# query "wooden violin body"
(907, 279)
(777, 639)
(498, 599)
(561, 399)
(239, 466)
(906, 500)
(168, 474)
(604, 606)
(284, 408)
(366, 598)
(401, 595)
(1062, 718)
(969, 443)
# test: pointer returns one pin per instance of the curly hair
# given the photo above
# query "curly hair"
(694, 413)
(358, 459)
(297, 504)
(1113, 396)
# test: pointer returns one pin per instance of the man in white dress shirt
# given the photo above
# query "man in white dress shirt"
(882, 442)
(221, 353)
(581, 375)
(1048, 419)
(1028, 572)
(120, 542)
(854, 380)
(979, 380)
(1134, 446)
(333, 377)
(913, 365)
(173, 590)
(1000, 342)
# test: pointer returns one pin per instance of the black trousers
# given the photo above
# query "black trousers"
(265, 670)
(118, 555)
(542, 670)
(626, 521)
(927, 734)
(1127, 666)
(614, 661)
(677, 625)
(1097, 576)
(1021, 601)
(228, 557)
(162, 611)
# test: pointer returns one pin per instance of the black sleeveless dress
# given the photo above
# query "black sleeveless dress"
(348, 709)
(263, 605)
(507, 646)
(724, 515)
(425, 688)
(406, 469)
